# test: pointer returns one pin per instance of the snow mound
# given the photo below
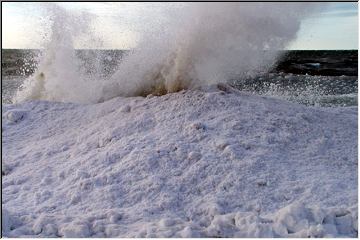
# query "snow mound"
(6, 222)
(9, 222)
(14, 116)
(201, 163)
(294, 220)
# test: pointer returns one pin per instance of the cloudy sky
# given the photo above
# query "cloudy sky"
(336, 27)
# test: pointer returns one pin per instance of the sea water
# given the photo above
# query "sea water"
(309, 89)
(179, 46)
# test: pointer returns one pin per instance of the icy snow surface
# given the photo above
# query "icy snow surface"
(201, 163)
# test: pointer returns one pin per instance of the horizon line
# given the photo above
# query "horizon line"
(120, 49)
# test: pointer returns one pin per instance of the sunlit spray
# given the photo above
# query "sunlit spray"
(180, 46)
(60, 75)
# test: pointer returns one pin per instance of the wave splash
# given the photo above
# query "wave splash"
(180, 46)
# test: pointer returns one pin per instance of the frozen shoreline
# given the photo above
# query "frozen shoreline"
(194, 163)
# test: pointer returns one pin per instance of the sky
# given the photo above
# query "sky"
(24, 26)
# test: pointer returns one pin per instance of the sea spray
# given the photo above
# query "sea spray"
(180, 46)
(61, 75)
(212, 43)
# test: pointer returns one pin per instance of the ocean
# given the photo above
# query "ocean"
(319, 78)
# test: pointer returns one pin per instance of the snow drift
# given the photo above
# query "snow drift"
(199, 163)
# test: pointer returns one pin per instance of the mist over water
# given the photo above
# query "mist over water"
(60, 75)
(180, 46)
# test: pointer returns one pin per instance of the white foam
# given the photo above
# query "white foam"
(179, 47)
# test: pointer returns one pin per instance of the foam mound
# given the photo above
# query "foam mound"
(199, 163)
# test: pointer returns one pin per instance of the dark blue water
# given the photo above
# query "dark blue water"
(321, 78)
